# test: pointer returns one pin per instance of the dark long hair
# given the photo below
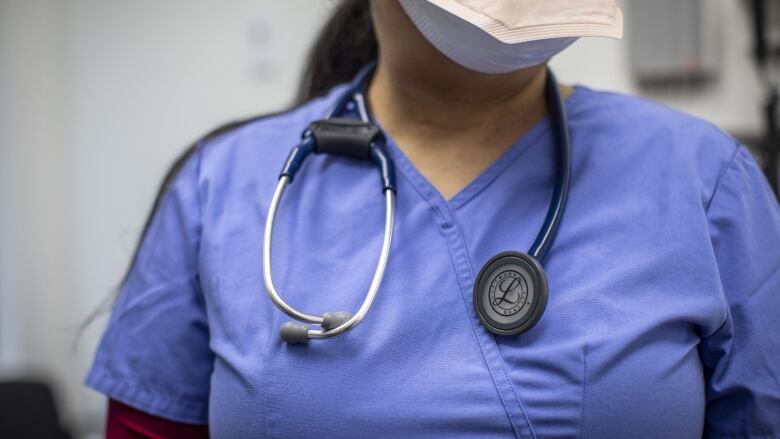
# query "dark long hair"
(345, 44)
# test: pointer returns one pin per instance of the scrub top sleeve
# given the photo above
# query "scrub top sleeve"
(154, 355)
(742, 357)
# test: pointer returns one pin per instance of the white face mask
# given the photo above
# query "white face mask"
(503, 36)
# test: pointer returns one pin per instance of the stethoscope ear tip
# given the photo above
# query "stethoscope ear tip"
(294, 333)
(334, 319)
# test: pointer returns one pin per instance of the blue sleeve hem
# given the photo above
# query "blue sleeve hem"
(139, 397)
(740, 436)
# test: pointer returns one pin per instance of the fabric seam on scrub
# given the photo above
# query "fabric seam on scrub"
(492, 344)
(174, 281)
(432, 197)
(479, 332)
(237, 131)
(584, 387)
(198, 166)
(491, 357)
(488, 353)
(722, 174)
(201, 296)
(410, 176)
(766, 280)
(718, 181)
(264, 385)
(514, 153)
(180, 409)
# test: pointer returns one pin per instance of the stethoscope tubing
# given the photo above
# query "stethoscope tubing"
(384, 254)
(560, 194)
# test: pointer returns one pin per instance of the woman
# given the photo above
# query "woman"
(663, 276)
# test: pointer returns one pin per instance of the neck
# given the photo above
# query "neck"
(451, 122)
(451, 99)
(418, 92)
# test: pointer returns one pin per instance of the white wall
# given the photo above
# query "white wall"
(98, 96)
(37, 270)
(96, 99)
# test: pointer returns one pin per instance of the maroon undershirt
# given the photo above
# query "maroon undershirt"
(125, 422)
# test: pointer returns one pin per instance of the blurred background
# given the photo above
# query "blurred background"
(97, 97)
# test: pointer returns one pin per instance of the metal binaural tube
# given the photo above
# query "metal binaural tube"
(267, 237)
(378, 275)
(376, 281)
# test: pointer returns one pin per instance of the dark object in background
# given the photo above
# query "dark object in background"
(766, 54)
(673, 42)
(27, 410)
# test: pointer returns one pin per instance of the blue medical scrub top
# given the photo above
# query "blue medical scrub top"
(662, 318)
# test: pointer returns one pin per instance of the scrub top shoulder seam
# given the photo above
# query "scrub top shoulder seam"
(722, 174)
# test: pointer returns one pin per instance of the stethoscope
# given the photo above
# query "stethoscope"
(510, 292)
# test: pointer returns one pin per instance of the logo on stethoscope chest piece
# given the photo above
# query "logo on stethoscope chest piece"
(508, 293)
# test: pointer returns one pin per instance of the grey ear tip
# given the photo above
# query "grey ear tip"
(294, 333)
(333, 319)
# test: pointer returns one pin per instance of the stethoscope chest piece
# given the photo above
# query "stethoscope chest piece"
(510, 293)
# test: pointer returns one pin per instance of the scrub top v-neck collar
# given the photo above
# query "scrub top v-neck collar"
(535, 135)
